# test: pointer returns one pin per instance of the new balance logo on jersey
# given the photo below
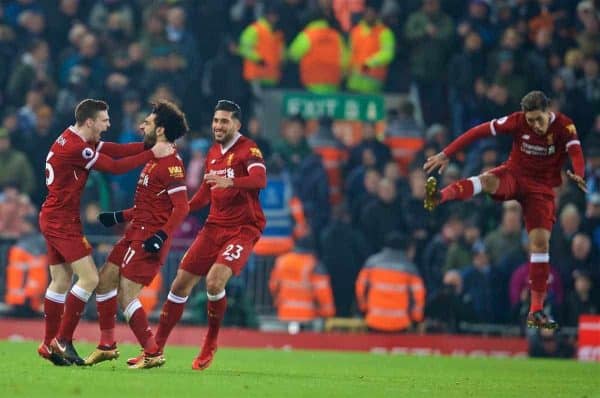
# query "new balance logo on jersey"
(230, 173)
(144, 179)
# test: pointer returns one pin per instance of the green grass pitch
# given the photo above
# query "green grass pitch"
(275, 373)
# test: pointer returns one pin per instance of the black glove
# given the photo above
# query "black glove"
(111, 218)
(155, 242)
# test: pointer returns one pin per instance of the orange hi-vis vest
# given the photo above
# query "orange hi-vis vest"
(269, 46)
(364, 45)
(390, 291)
(322, 63)
(26, 278)
(300, 288)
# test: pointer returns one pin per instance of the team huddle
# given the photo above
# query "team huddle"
(234, 174)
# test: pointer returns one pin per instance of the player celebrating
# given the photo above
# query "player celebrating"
(235, 173)
(160, 205)
(541, 142)
(75, 152)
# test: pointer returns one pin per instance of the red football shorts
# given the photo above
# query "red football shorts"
(137, 264)
(536, 199)
(65, 242)
(230, 246)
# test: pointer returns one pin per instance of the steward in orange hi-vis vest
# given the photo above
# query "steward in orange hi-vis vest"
(389, 289)
(300, 286)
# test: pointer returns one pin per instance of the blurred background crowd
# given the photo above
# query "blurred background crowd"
(463, 61)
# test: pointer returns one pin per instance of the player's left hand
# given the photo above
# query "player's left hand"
(154, 243)
(578, 180)
(215, 181)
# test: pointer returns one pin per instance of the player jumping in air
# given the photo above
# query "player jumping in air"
(74, 153)
(541, 142)
(235, 173)
(160, 205)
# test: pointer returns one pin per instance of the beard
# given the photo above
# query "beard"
(149, 139)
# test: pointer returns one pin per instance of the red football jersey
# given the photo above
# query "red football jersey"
(535, 156)
(234, 206)
(68, 165)
(152, 205)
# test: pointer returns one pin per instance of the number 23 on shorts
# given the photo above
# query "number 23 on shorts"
(232, 252)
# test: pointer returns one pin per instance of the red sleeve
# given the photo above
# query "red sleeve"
(180, 210)
(256, 180)
(201, 198)
(128, 214)
(115, 150)
(576, 155)
(107, 164)
(504, 125)
(466, 139)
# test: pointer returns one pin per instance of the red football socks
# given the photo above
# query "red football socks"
(54, 305)
(138, 322)
(539, 270)
(74, 306)
(107, 314)
(216, 312)
(460, 190)
(170, 315)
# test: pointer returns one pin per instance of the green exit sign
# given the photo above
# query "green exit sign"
(367, 108)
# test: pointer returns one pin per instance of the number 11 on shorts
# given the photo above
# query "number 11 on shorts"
(128, 256)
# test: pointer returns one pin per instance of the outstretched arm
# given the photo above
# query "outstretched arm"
(115, 150)
(107, 164)
(441, 160)
(576, 156)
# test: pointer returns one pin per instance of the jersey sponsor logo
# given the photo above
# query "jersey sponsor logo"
(230, 159)
(256, 153)
(502, 120)
(537, 150)
(571, 129)
(228, 172)
(87, 153)
(61, 140)
(176, 171)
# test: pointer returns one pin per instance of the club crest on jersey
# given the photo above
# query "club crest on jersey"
(550, 139)
(176, 171)
(61, 140)
(256, 152)
(230, 159)
(571, 129)
(87, 153)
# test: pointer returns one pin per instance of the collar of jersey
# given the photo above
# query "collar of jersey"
(232, 143)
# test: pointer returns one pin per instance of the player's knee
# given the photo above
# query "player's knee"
(214, 286)
(489, 183)
(60, 285)
(180, 288)
(89, 282)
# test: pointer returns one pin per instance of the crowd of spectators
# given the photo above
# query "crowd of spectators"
(470, 60)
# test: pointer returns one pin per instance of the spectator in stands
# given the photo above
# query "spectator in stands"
(483, 287)
(361, 188)
(507, 237)
(418, 222)
(464, 67)
(389, 290)
(592, 219)
(60, 20)
(584, 299)
(382, 216)
(446, 308)
(588, 39)
(583, 256)
(15, 168)
(324, 143)
(300, 285)
(547, 343)
(293, 147)
(369, 141)
(434, 255)
(43, 136)
(569, 223)
(33, 69)
(429, 33)
(402, 122)
(344, 251)
(460, 253)
(87, 57)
